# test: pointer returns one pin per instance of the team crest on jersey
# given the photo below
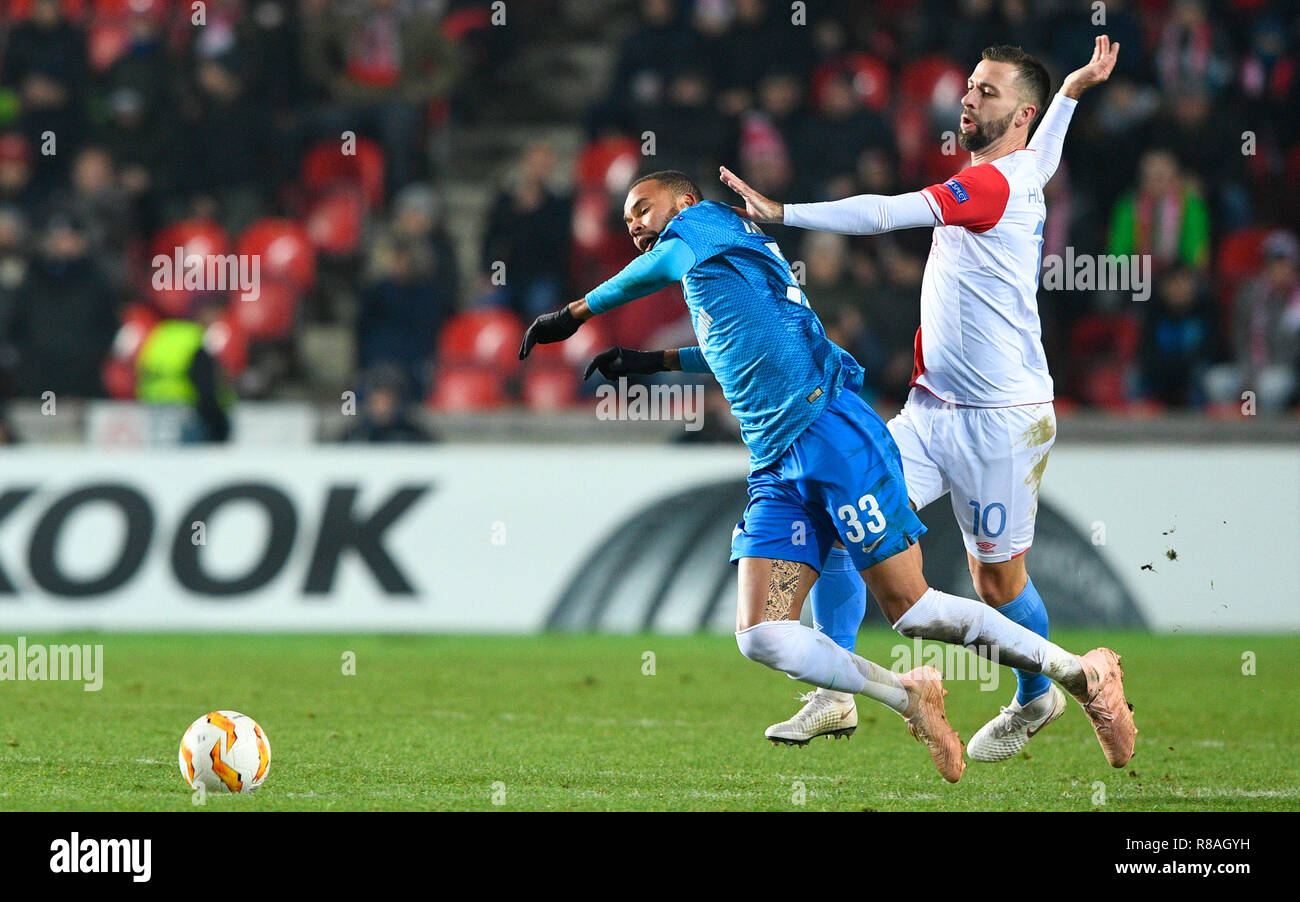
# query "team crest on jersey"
(957, 190)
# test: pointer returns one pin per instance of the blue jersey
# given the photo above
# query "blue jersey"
(757, 333)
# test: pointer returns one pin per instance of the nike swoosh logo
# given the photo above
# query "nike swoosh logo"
(872, 547)
(1030, 734)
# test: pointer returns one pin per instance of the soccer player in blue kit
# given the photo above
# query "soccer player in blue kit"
(823, 468)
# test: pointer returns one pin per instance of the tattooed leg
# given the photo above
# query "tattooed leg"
(772, 590)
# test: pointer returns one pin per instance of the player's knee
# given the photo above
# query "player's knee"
(938, 616)
(768, 643)
(996, 586)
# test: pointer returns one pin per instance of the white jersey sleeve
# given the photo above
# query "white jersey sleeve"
(1049, 139)
(865, 214)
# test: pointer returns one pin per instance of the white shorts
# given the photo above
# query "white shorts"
(990, 459)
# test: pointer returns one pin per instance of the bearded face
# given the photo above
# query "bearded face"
(975, 135)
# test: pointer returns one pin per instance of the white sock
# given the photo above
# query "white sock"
(810, 656)
(979, 627)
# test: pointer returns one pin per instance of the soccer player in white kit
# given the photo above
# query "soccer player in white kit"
(978, 423)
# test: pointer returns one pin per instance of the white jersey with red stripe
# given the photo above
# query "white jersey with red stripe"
(980, 340)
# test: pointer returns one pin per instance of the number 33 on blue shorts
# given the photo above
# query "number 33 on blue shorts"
(842, 479)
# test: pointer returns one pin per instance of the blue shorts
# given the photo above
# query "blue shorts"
(842, 479)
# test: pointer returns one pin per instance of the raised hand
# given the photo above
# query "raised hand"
(1104, 55)
(757, 207)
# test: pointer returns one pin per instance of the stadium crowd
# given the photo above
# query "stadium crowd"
(126, 129)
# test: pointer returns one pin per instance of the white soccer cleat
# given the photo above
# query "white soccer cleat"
(1005, 735)
(825, 713)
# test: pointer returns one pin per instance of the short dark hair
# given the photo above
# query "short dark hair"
(1035, 83)
(677, 182)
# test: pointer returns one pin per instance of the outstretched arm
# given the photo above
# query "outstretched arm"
(866, 214)
(668, 261)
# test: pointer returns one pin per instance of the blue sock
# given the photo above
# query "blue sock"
(839, 599)
(1028, 611)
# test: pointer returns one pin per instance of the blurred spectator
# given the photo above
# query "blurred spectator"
(1164, 217)
(529, 230)
(1266, 331)
(409, 291)
(689, 133)
(223, 142)
(14, 263)
(45, 62)
(759, 39)
(380, 63)
(16, 184)
(646, 61)
(1193, 51)
(64, 318)
(385, 414)
(175, 367)
(828, 143)
(1209, 150)
(95, 199)
(144, 142)
(1178, 339)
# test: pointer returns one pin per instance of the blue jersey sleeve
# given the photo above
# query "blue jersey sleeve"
(657, 268)
(692, 360)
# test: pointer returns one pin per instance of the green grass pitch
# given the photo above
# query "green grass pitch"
(574, 723)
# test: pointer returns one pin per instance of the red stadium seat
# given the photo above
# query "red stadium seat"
(871, 79)
(118, 372)
(118, 377)
(608, 164)
(591, 211)
(932, 81)
(227, 341)
(467, 388)
(106, 42)
(196, 238)
(488, 337)
(284, 251)
(1103, 348)
(270, 315)
(18, 10)
(1240, 256)
(548, 387)
(326, 166)
(334, 221)
(457, 24)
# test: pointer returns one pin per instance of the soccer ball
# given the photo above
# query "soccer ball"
(225, 751)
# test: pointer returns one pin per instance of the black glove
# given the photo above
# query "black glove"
(549, 328)
(617, 361)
